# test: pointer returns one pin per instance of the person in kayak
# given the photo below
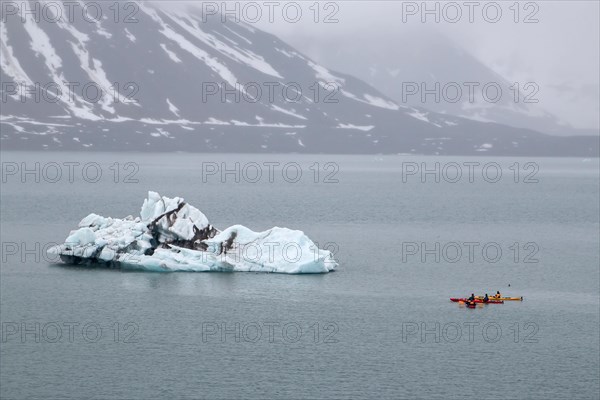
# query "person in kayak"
(497, 295)
(486, 298)
(471, 300)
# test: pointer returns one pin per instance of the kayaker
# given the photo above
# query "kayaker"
(497, 295)
(472, 298)
(486, 298)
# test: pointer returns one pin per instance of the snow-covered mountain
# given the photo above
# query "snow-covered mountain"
(409, 70)
(173, 80)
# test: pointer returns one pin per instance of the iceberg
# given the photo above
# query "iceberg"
(172, 235)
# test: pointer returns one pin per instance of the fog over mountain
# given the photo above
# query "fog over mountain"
(174, 80)
(553, 45)
(428, 69)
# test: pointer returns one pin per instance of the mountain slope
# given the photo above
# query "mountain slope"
(426, 57)
(172, 81)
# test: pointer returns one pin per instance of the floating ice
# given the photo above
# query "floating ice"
(171, 235)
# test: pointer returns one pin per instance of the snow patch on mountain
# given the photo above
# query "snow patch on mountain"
(324, 74)
(9, 63)
(237, 34)
(371, 100)
(213, 63)
(171, 54)
(130, 36)
(288, 112)
(40, 44)
(357, 127)
(246, 57)
(420, 115)
(379, 102)
(172, 108)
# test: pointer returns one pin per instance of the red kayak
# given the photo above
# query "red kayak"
(454, 299)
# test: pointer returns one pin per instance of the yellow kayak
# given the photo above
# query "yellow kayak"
(502, 298)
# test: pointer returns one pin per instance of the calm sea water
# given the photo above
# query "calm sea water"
(380, 326)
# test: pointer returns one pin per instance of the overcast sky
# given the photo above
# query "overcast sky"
(560, 52)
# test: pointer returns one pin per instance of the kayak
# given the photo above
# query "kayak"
(503, 298)
(454, 299)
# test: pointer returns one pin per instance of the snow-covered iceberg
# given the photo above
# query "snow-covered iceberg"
(171, 235)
